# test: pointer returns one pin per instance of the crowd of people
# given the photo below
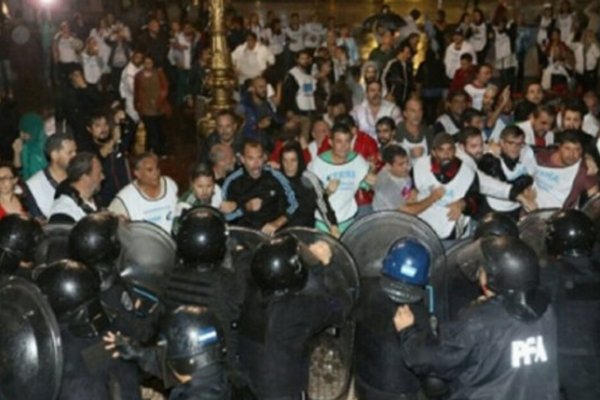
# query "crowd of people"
(440, 120)
(437, 122)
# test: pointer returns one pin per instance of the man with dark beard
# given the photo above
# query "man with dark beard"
(299, 87)
(261, 119)
(105, 141)
(449, 216)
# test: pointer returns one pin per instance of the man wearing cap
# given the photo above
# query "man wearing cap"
(449, 216)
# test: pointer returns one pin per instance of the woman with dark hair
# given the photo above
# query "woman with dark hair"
(9, 201)
(308, 190)
(203, 191)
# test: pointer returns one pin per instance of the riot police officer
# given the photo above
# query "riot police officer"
(19, 235)
(192, 346)
(205, 273)
(496, 224)
(503, 347)
(570, 241)
(381, 373)
(94, 241)
(73, 290)
(291, 297)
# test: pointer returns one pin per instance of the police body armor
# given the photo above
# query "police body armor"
(317, 364)
(30, 343)
(89, 370)
(380, 369)
(578, 314)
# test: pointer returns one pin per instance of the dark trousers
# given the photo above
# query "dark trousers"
(155, 134)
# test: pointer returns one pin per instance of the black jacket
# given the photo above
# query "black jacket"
(271, 187)
(489, 354)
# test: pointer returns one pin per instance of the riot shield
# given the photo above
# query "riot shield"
(453, 288)
(592, 207)
(54, 246)
(370, 238)
(532, 230)
(241, 238)
(30, 346)
(331, 351)
(148, 254)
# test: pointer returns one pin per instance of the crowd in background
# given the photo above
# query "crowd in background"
(439, 119)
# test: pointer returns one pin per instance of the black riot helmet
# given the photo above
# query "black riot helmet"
(202, 237)
(570, 233)
(19, 235)
(512, 271)
(195, 339)
(511, 265)
(277, 266)
(496, 224)
(94, 239)
(73, 290)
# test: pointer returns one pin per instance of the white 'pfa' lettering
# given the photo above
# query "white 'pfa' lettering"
(528, 351)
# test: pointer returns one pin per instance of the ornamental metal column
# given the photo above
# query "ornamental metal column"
(221, 80)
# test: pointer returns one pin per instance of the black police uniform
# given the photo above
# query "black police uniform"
(209, 384)
(98, 378)
(217, 288)
(120, 304)
(89, 371)
(490, 354)
(578, 310)
(381, 373)
(275, 331)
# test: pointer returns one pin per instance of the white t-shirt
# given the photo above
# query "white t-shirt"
(135, 205)
(350, 175)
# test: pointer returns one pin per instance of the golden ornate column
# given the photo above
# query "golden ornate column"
(222, 80)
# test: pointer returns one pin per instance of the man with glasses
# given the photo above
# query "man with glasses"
(514, 165)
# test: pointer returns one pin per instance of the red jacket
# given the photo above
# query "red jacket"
(461, 79)
(163, 97)
(276, 153)
(363, 144)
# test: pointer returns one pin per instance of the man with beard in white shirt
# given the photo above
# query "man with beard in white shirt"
(562, 178)
(538, 128)
(449, 216)
(373, 108)
(299, 87)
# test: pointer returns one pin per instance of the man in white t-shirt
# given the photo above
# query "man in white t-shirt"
(342, 172)
(477, 88)
(457, 48)
(450, 215)
(251, 59)
(150, 197)
(373, 108)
